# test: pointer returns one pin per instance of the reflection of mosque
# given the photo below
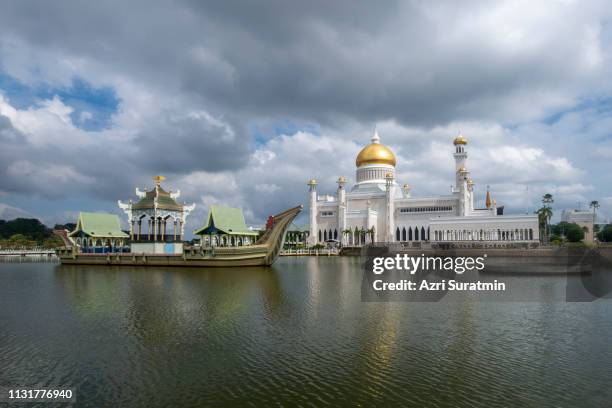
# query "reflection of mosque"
(376, 209)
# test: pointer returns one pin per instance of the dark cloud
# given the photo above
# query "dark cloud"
(193, 77)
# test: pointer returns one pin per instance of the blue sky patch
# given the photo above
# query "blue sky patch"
(93, 107)
(262, 134)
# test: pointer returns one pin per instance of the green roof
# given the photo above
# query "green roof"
(164, 201)
(99, 225)
(225, 220)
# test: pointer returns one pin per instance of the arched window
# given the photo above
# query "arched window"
(416, 234)
(409, 233)
(335, 234)
(325, 235)
(320, 236)
(397, 234)
(404, 234)
(428, 234)
(423, 237)
(531, 234)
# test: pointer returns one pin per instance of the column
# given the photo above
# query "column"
(312, 188)
(390, 208)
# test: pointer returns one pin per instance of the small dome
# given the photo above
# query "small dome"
(460, 140)
(375, 153)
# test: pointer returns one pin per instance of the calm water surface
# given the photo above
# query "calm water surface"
(296, 334)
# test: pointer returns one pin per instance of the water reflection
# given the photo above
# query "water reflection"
(293, 334)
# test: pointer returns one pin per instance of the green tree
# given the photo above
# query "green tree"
(571, 231)
(346, 232)
(546, 213)
(29, 227)
(371, 233)
(605, 235)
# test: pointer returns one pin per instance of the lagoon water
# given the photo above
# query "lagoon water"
(296, 334)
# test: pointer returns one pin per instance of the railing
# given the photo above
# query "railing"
(312, 252)
(27, 255)
(25, 251)
(166, 239)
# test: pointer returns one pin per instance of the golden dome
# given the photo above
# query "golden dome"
(375, 153)
(460, 140)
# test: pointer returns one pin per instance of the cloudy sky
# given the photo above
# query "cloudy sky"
(242, 102)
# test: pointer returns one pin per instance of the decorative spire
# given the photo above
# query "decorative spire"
(375, 138)
(460, 139)
(488, 201)
(158, 180)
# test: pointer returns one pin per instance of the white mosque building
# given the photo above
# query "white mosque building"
(376, 209)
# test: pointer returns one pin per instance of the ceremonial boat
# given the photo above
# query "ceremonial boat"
(262, 253)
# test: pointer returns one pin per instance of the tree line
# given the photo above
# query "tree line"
(30, 233)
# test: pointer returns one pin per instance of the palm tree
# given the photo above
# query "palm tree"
(370, 232)
(544, 216)
(546, 212)
(594, 205)
(346, 232)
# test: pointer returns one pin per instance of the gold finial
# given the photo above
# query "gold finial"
(312, 182)
(460, 140)
(158, 179)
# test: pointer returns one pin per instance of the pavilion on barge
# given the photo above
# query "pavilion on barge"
(156, 220)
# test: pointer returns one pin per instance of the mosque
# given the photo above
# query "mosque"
(377, 209)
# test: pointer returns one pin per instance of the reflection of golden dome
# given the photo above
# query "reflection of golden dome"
(460, 140)
(375, 153)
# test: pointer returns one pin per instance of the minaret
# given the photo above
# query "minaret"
(341, 207)
(312, 188)
(390, 221)
(463, 189)
(460, 155)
